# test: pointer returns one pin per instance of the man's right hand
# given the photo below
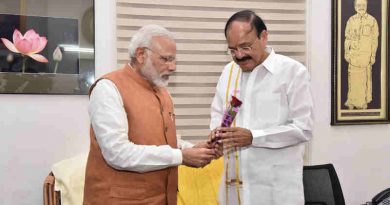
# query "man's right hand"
(197, 157)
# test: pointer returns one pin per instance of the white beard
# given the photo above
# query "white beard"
(151, 74)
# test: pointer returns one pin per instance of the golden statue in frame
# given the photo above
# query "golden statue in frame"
(361, 43)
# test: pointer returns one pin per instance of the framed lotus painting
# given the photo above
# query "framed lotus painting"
(46, 46)
(360, 62)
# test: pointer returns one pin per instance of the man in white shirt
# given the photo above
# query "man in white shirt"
(264, 148)
(134, 152)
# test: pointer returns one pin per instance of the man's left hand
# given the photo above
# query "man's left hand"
(234, 137)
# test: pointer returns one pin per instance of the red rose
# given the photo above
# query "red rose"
(235, 102)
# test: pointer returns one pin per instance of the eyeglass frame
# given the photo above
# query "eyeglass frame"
(165, 59)
(244, 49)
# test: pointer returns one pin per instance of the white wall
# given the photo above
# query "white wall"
(359, 153)
(39, 130)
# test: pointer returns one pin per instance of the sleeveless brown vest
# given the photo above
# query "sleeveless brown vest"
(151, 122)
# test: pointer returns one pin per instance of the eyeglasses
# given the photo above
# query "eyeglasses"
(164, 59)
(243, 49)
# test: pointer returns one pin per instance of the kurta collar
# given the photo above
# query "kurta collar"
(359, 17)
(268, 63)
(364, 16)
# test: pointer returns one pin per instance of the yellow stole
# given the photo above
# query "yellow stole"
(237, 180)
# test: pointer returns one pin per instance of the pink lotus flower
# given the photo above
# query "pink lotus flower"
(30, 44)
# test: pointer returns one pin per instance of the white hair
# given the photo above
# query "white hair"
(143, 38)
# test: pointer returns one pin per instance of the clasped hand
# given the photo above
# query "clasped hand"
(230, 137)
(201, 154)
(219, 139)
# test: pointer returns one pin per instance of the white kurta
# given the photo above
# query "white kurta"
(277, 108)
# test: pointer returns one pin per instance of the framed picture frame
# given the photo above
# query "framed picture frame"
(360, 67)
(46, 47)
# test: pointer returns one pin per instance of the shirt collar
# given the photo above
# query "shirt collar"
(364, 16)
(268, 63)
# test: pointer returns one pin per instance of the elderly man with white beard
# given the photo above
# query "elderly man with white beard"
(134, 152)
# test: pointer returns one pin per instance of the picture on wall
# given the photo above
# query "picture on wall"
(360, 69)
(46, 54)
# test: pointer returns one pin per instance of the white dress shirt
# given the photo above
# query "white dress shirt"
(109, 122)
(277, 109)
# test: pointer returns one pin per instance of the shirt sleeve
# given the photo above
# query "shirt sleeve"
(109, 122)
(299, 125)
(182, 144)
